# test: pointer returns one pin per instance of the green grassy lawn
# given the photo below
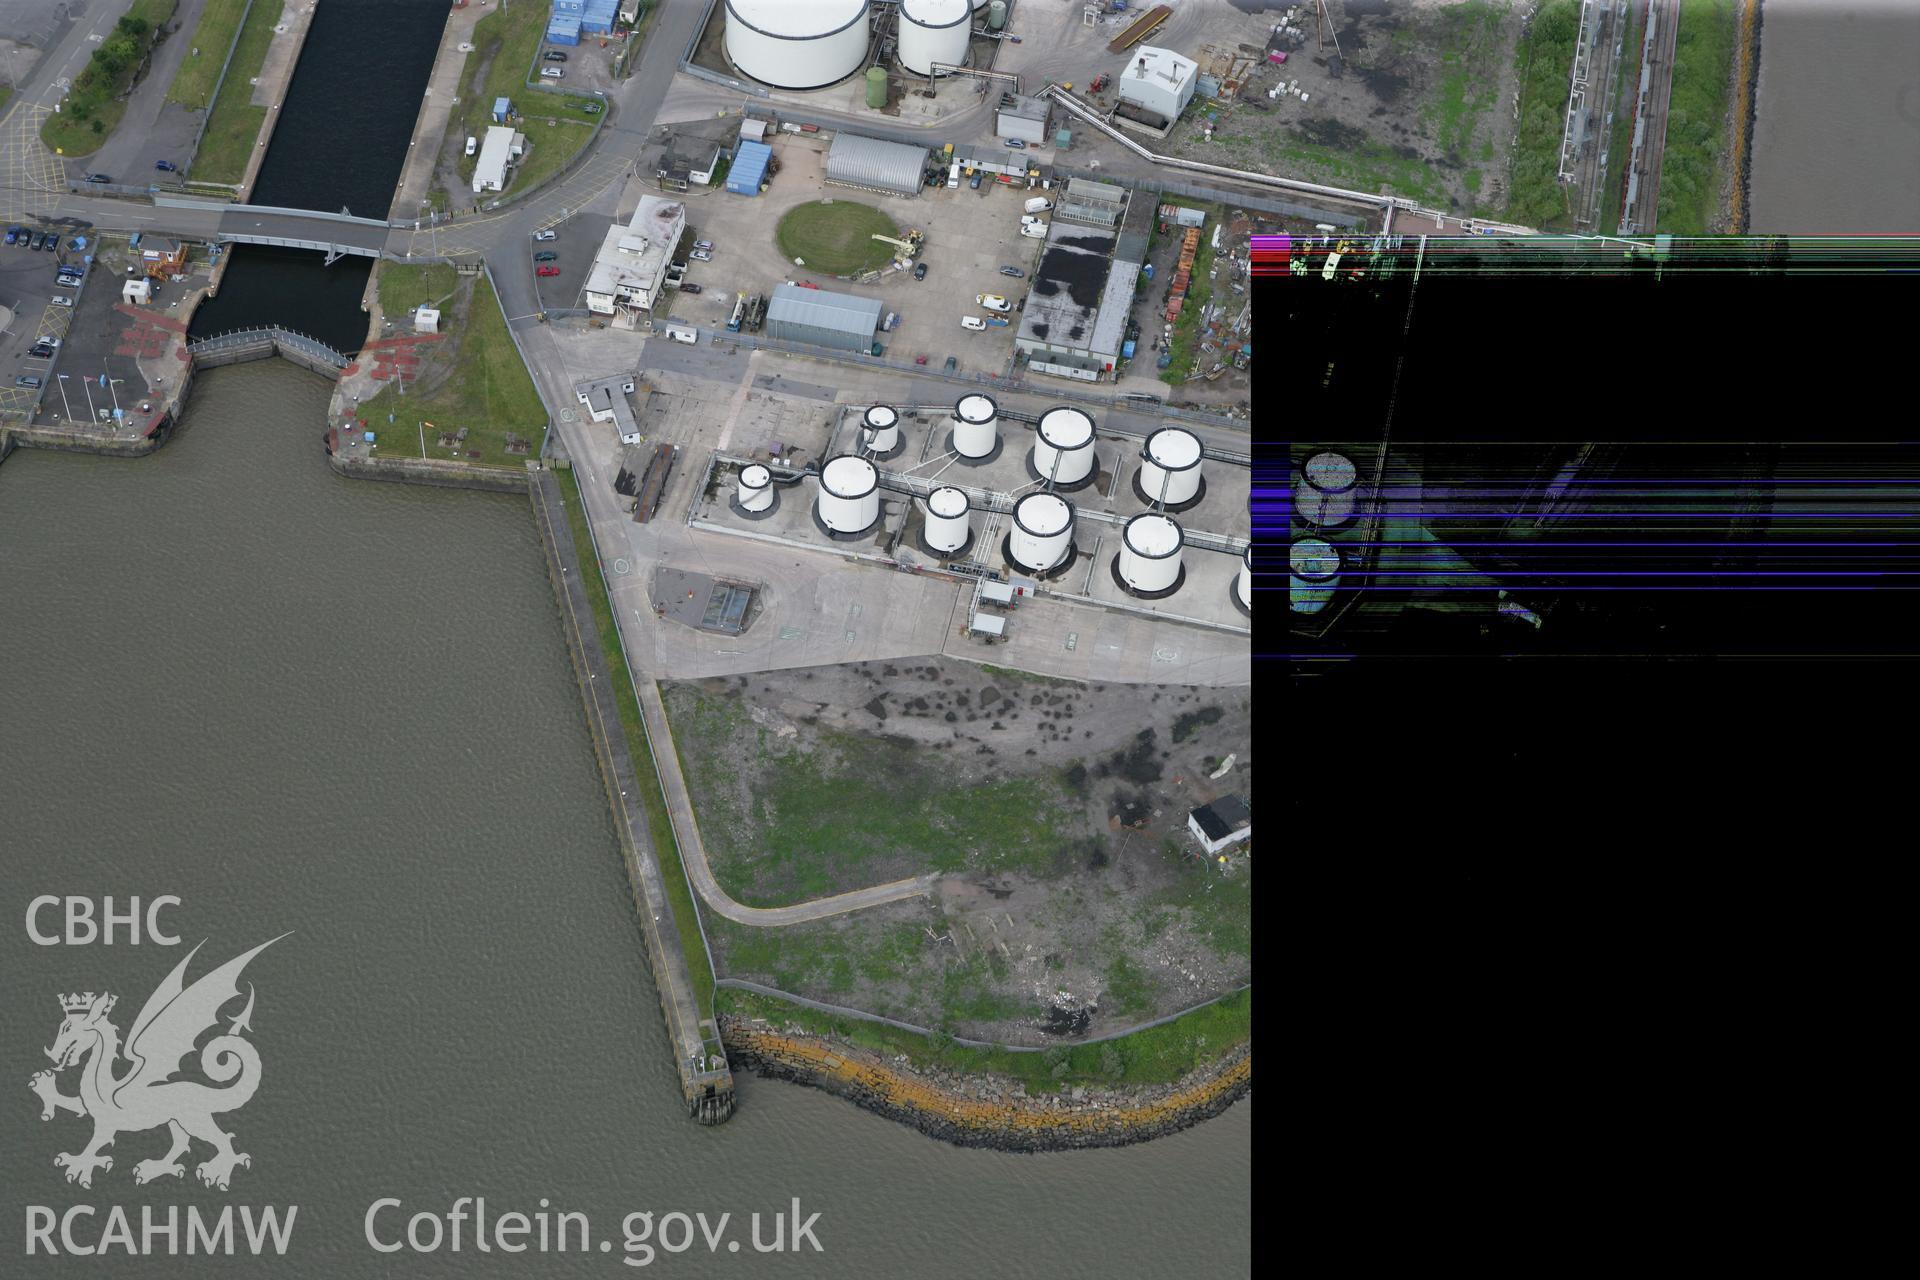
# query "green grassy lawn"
(817, 819)
(505, 42)
(6, 95)
(836, 238)
(234, 126)
(671, 872)
(488, 391)
(402, 288)
(93, 108)
(1369, 167)
(1158, 1055)
(1690, 168)
(193, 83)
(1536, 197)
(1466, 91)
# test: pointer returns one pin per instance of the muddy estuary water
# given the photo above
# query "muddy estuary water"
(342, 710)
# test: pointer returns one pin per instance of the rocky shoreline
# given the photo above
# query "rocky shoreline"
(983, 1110)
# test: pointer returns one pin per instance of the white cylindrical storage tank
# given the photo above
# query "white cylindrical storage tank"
(849, 494)
(1313, 571)
(880, 429)
(1042, 532)
(1243, 581)
(1063, 451)
(1170, 466)
(978, 5)
(797, 44)
(948, 519)
(934, 31)
(1149, 559)
(1324, 495)
(976, 426)
(755, 491)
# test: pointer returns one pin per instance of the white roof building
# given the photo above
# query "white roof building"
(1159, 80)
(631, 268)
(496, 152)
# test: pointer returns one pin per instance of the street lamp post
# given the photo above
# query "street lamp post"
(111, 384)
(93, 414)
(63, 397)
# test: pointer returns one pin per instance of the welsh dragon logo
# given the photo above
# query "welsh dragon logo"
(145, 1095)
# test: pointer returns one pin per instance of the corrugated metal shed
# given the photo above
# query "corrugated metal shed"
(749, 168)
(824, 319)
(875, 165)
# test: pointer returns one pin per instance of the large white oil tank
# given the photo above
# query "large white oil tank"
(755, 489)
(934, 31)
(849, 494)
(797, 44)
(948, 519)
(1324, 494)
(976, 426)
(978, 5)
(880, 429)
(1149, 559)
(1243, 581)
(1313, 571)
(1042, 535)
(1170, 467)
(1063, 449)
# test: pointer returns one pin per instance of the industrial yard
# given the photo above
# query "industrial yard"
(1072, 898)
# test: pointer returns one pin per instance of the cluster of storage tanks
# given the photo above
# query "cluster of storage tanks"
(1324, 489)
(808, 44)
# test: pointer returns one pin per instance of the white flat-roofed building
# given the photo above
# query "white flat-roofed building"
(1159, 80)
(631, 268)
(496, 153)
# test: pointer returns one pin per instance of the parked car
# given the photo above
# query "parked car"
(98, 178)
(166, 166)
(62, 300)
(554, 55)
(26, 380)
(53, 241)
(920, 271)
(974, 181)
(689, 288)
(473, 145)
(14, 233)
(548, 256)
(40, 351)
(701, 255)
(39, 240)
(1028, 220)
(703, 244)
(1015, 143)
(551, 73)
(591, 108)
(546, 235)
(952, 364)
(547, 271)
(1015, 272)
(68, 277)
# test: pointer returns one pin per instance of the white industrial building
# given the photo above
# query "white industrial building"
(798, 44)
(498, 150)
(1159, 81)
(631, 268)
(1075, 322)
(1022, 117)
(1217, 825)
(606, 401)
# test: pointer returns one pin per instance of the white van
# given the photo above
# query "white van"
(683, 333)
(993, 302)
(1039, 204)
(473, 145)
(953, 175)
(1028, 220)
(1034, 230)
(973, 322)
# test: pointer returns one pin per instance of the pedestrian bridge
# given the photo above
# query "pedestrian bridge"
(239, 345)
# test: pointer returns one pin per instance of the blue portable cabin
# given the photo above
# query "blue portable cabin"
(597, 16)
(563, 22)
(502, 109)
(749, 168)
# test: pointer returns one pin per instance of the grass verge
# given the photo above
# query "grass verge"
(836, 238)
(193, 83)
(234, 125)
(557, 125)
(487, 389)
(1536, 198)
(95, 101)
(679, 892)
(1690, 167)
(1158, 1055)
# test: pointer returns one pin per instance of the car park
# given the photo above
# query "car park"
(166, 166)
(551, 73)
(920, 271)
(62, 300)
(27, 380)
(547, 256)
(701, 255)
(546, 235)
(1015, 272)
(548, 270)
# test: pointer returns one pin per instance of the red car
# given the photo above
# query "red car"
(548, 270)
